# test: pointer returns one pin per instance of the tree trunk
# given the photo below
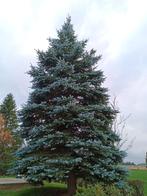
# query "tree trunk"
(71, 184)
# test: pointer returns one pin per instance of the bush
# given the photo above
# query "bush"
(91, 190)
(115, 191)
(4, 166)
(137, 186)
(112, 190)
(99, 190)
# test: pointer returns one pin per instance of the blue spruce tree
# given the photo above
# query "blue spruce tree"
(67, 119)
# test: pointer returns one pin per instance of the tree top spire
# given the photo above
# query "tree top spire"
(67, 31)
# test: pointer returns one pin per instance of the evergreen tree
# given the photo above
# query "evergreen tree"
(8, 110)
(67, 119)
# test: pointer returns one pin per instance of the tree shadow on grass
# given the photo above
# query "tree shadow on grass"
(42, 191)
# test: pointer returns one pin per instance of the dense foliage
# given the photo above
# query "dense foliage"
(8, 109)
(132, 188)
(67, 119)
(99, 190)
(6, 143)
(9, 137)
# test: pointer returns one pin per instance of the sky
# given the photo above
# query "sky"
(117, 29)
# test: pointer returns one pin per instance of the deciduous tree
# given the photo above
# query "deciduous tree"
(6, 143)
(9, 111)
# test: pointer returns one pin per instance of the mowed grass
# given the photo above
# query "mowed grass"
(49, 189)
(56, 189)
(139, 175)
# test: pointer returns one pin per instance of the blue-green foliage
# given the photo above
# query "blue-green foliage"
(67, 119)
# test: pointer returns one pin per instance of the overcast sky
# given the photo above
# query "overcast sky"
(117, 29)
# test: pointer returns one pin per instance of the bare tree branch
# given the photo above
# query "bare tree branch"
(119, 127)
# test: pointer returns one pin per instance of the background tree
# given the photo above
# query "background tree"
(9, 112)
(6, 143)
(8, 109)
(67, 119)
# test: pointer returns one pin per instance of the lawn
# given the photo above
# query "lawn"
(54, 189)
(139, 175)
(50, 189)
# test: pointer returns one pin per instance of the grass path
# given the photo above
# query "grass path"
(11, 180)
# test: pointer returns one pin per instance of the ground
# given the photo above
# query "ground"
(53, 189)
(139, 174)
(23, 189)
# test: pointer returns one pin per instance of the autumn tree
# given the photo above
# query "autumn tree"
(67, 119)
(9, 111)
(6, 143)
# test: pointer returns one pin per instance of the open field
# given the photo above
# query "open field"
(136, 167)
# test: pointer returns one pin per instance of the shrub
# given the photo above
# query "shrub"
(115, 191)
(99, 190)
(112, 190)
(91, 190)
(137, 186)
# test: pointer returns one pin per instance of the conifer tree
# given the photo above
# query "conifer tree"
(67, 118)
(8, 110)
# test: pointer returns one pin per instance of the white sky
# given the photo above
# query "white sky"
(116, 28)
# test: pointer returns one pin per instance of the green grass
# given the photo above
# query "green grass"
(8, 176)
(55, 189)
(139, 175)
(48, 189)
